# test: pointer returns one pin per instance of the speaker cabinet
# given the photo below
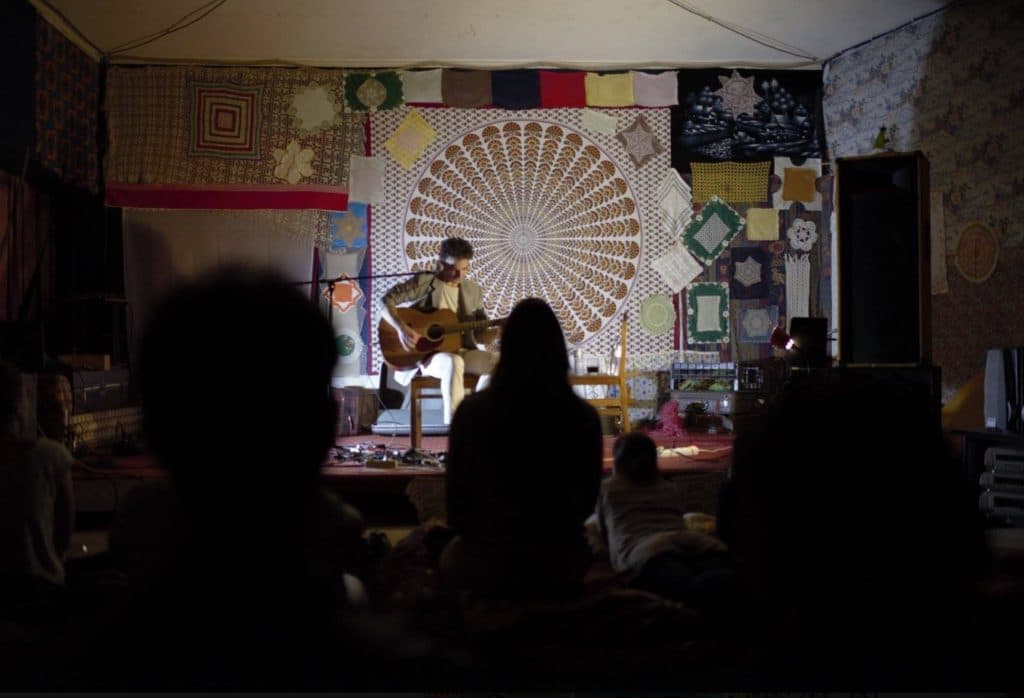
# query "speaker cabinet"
(883, 260)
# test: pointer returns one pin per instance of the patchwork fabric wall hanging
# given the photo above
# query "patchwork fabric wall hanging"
(600, 122)
(562, 89)
(756, 324)
(762, 224)
(225, 120)
(644, 389)
(552, 210)
(657, 315)
(612, 90)
(515, 89)
(204, 137)
(655, 89)
(466, 88)
(410, 139)
(373, 91)
(366, 181)
(730, 181)
(677, 267)
(348, 228)
(293, 162)
(802, 234)
(707, 313)
(314, 108)
(711, 230)
(798, 286)
(66, 96)
(640, 142)
(749, 273)
(675, 203)
(347, 301)
(746, 115)
(797, 183)
(421, 86)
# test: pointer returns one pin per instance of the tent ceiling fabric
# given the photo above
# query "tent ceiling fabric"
(484, 33)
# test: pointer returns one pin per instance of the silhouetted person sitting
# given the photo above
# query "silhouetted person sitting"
(524, 468)
(858, 539)
(235, 373)
(640, 516)
(36, 508)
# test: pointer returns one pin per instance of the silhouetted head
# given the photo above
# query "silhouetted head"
(533, 351)
(636, 457)
(235, 374)
(847, 509)
(10, 396)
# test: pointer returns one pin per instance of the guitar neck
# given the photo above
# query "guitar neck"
(472, 325)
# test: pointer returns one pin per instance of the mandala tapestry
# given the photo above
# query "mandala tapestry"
(552, 210)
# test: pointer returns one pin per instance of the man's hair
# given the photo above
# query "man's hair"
(455, 248)
(636, 457)
(10, 393)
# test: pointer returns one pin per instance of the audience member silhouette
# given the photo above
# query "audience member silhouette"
(860, 541)
(235, 372)
(36, 508)
(524, 467)
(640, 517)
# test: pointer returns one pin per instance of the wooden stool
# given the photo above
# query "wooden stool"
(416, 387)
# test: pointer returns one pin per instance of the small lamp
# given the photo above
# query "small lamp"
(807, 341)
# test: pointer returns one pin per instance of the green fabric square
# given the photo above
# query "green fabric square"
(711, 230)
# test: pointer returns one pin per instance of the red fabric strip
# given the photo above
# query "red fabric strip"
(322, 198)
(562, 89)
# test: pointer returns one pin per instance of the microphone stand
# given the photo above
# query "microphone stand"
(332, 282)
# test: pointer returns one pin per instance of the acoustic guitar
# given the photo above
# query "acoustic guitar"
(440, 329)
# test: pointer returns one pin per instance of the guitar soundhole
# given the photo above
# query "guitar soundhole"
(435, 333)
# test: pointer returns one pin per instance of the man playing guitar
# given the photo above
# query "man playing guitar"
(445, 289)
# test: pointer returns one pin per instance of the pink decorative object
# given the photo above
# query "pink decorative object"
(669, 422)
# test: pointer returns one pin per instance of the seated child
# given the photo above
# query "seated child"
(640, 517)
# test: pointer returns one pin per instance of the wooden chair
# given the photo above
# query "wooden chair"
(416, 387)
(614, 406)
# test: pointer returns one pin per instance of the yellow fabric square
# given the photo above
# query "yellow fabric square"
(615, 90)
(762, 224)
(410, 139)
(730, 181)
(798, 184)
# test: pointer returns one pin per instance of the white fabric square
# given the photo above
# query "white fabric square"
(676, 203)
(713, 232)
(677, 267)
(421, 86)
(366, 180)
(599, 122)
(709, 313)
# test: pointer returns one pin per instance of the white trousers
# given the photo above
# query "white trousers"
(450, 370)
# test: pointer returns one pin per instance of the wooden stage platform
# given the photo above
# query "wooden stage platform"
(100, 481)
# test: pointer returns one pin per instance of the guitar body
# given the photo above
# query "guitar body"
(434, 325)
